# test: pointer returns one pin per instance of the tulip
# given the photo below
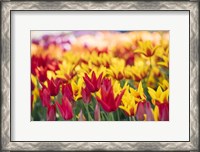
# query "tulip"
(108, 102)
(139, 93)
(145, 112)
(45, 96)
(97, 113)
(93, 83)
(140, 113)
(54, 86)
(158, 95)
(65, 108)
(117, 69)
(81, 117)
(77, 88)
(150, 116)
(51, 113)
(86, 95)
(146, 48)
(41, 73)
(163, 111)
(128, 104)
(67, 91)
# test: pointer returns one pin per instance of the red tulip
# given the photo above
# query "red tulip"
(106, 84)
(163, 111)
(108, 102)
(45, 96)
(65, 108)
(86, 95)
(41, 73)
(51, 113)
(93, 83)
(67, 91)
(54, 86)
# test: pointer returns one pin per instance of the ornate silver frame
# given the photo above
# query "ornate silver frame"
(8, 6)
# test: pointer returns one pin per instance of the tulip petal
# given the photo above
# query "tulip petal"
(60, 109)
(140, 111)
(149, 113)
(99, 80)
(86, 95)
(97, 113)
(67, 109)
(94, 78)
(89, 85)
(51, 113)
(104, 105)
(118, 99)
(45, 96)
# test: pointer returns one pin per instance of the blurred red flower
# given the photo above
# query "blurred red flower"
(65, 108)
(54, 86)
(45, 96)
(51, 113)
(67, 91)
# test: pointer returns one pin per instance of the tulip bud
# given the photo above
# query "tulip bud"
(140, 111)
(97, 113)
(149, 113)
(51, 113)
(86, 95)
(81, 117)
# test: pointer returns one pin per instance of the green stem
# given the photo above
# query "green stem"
(105, 116)
(89, 116)
(118, 118)
(129, 118)
(133, 118)
(111, 117)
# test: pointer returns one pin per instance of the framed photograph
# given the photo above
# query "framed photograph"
(100, 75)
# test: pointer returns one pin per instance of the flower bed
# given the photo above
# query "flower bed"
(100, 76)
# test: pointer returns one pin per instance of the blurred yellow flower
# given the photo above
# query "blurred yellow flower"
(146, 48)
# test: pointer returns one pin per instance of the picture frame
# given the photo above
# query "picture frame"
(7, 7)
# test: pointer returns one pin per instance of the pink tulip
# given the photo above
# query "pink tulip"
(97, 113)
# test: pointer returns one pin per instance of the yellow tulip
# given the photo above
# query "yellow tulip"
(158, 95)
(146, 48)
(139, 93)
(77, 85)
(128, 103)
